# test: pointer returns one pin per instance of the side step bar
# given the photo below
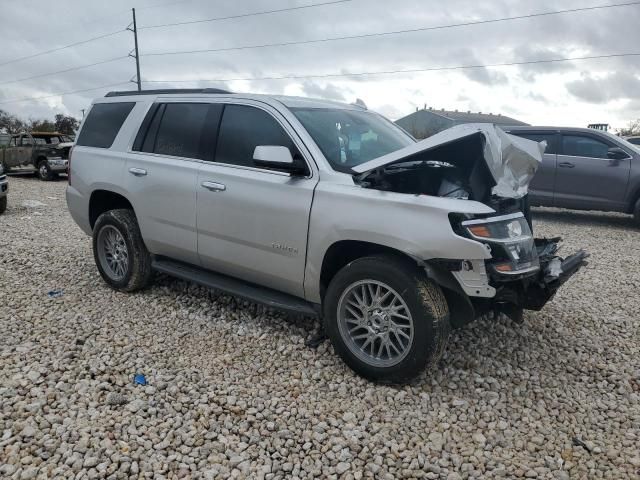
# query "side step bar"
(236, 287)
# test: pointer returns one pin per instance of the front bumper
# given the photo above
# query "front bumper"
(58, 164)
(4, 186)
(533, 291)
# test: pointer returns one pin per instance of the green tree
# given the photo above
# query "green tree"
(66, 124)
(41, 125)
(10, 123)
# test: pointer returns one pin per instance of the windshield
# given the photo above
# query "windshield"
(349, 137)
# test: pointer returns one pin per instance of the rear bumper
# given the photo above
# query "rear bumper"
(79, 209)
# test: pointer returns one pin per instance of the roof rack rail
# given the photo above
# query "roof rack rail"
(166, 90)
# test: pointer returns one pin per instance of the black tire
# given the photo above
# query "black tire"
(636, 213)
(3, 204)
(424, 300)
(137, 273)
(44, 171)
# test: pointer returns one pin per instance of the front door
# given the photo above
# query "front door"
(586, 178)
(541, 186)
(253, 222)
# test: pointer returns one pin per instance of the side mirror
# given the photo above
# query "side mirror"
(617, 153)
(276, 157)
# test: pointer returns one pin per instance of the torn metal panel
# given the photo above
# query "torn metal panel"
(512, 161)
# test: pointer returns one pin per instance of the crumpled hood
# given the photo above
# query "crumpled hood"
(512, 160)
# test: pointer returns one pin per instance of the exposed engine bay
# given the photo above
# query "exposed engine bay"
(482, 163)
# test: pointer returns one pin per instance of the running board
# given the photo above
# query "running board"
(234, 286)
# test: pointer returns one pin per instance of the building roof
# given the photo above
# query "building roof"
(472, 117)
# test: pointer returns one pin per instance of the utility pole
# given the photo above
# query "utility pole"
(137, 53)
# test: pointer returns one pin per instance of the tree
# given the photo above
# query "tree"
(41, 125)
(633, 128)
(10, 123)
(66, 124)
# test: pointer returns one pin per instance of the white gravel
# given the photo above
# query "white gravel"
(233, 392)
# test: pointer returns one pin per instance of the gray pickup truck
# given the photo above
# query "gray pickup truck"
(320, 208)
(44, 153)
(585, 169)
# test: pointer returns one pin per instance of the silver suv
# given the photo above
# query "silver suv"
(318, 208)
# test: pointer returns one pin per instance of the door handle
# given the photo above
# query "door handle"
(214, 186)
(566, 165)
(138, 172)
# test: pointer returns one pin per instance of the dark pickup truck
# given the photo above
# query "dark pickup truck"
(46, 154)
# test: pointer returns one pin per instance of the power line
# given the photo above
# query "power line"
(243, 15)
(396, 32)
(80, 67)
(26, 99)
(57, 49)
(412, 70)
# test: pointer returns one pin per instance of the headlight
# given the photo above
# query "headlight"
(510, 239)
(507, 228)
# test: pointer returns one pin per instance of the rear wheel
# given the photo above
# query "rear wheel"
(386, 319)
(44, 171)
(3, 204)
(119, 251)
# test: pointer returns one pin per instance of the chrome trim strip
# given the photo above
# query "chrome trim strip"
(500, 218)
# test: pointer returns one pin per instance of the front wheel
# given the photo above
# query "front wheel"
(119, 251)
(386, 319)
(44, 171)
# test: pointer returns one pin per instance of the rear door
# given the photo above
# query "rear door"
(586, 178)
(11, 153)
(541, 187)
(25, 152)
(161, 176)
(253, 222)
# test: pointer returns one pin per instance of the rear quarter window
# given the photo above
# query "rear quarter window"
(103, 124)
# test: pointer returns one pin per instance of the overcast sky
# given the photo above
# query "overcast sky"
(571, 93)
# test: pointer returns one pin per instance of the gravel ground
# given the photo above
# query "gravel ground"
(233, 391)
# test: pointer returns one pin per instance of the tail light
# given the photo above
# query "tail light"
(69, 166)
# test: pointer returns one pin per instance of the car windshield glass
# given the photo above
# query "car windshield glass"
(348, 138)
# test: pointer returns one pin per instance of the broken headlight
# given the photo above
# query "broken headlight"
(511, 242)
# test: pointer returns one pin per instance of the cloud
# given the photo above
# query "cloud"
(615, 86)
(328, 92)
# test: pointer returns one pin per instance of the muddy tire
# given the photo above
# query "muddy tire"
(3, 204)
(44, 171)
(119, 251)
(386, 319)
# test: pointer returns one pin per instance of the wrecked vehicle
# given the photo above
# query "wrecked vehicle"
(44, 153)
(318, 208)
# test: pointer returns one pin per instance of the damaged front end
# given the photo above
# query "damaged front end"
(482, 163)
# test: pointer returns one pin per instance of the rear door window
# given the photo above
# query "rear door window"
(583, 146)
(243, 128)
(180, 130)
(103, 124)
